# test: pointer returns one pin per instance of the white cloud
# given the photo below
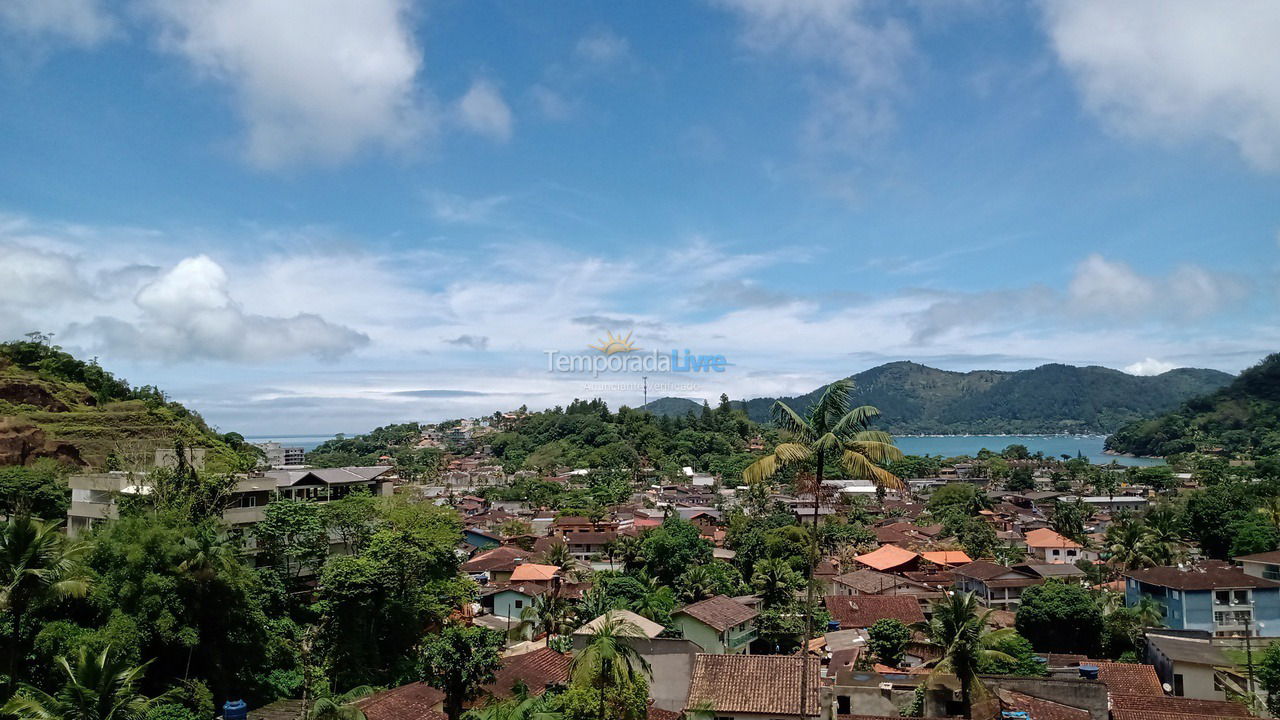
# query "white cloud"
(80, 22)
(1108, 287)
(551, 104)
(483, 111)
(1149, 366)
(1177, 70)
(451, 208)
(187, 313)
(314, 80)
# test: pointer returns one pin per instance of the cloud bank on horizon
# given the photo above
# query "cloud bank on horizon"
(320, 217)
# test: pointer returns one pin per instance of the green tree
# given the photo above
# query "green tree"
(351, 518)
(1061, 618)
(1253, 534)
(959, 631)
(609, 662)
(1020, 480)
(459, 661)
(339, 706)
(1021, 659)
(37, 565)
(95, 688)
(673, 547)
(887, 639)
(39, 490)
(1269, 677)
(776, 582)
(831, 430)
(1210, 513)
(292, 537)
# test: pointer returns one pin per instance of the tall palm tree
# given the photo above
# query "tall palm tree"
(328, 706)
(608, 661)
(655, 603)
(558, 554)
(1127, 544)
(697, 584)
(1149, 612)
(958, 629)
(629, 550)
(595, 602)
(775, 581)
(96, 688)
(209, 554)
(549, 612)
(37, 563)
(831, 430)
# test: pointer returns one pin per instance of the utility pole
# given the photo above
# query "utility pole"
(1248, 652)
(645, 378)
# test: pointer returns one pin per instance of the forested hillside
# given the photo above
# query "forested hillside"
(53, 405)
(915, 399)
(1244, 416)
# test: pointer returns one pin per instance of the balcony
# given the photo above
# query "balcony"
(741, 640)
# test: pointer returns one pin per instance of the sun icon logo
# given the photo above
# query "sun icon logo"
(612, 344)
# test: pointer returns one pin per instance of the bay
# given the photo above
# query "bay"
(1090, 446)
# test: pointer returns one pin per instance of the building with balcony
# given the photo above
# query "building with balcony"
(1216, 598)
(1264, 565)
(719, 625)
(96, 497)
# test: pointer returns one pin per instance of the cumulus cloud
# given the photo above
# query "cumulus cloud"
(1109, 287)
(1149, 366)
(483, 111)
(1177, 70)
(187, 313)
(80, 22)
(313, 80)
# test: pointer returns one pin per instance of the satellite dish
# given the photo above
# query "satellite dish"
(1167, 687)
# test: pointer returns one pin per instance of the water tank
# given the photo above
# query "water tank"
(235, 710)
(1089, 672)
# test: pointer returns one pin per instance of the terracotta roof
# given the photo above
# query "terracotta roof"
(1203, 577)
(646, 627)
(861, 611)
(1039, 708)
(533, 571)
(982, 570)
(1266, 557)
(1130, 678)
(887, 557)
(870, 582)
(759, 684)
(947, 557)
(536, 670)
(415, 701)
(657, 713)
(720, 612)
(1046, 538)
(500, 558)
(1142, 707)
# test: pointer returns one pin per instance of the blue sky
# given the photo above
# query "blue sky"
(322, 215)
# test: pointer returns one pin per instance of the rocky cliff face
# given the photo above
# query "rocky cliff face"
(22, 443)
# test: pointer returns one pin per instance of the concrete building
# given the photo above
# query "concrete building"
(1218, 599)
(280, 456)
(95, 497)
(718, 625)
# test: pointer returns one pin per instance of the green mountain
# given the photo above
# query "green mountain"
(915, 399)
(53, 405)
(1243, 416)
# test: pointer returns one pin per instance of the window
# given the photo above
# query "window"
(1240, 597)
(1177, 684)
(1071, 553)
(519, 604)
(1222, 597)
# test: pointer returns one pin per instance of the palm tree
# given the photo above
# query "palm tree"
(831, 431)
(608, 661)
(96, 688)
(328, 706)
(522, 706)
(549, 612)
(209, 554)
(1127, 544)
(960, 633)
(775, 581)
(558, 554)
(696, 584)
(37, 563)
(629, 549)
(595, 602)
(655, 603)
(1149, 612)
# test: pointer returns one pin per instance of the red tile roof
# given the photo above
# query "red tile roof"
(533, 571)
(1130, 679)
(415, 701)
(758, 684)
(1202, 577)
(536, 670)
(1046, 538)
(503, 558)
(1039, 708)
(862, 611)
(720, 612)
(947, 557)
(1140, 707)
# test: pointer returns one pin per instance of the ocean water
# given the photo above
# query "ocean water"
(1052, 445)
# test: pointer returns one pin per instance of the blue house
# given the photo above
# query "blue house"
(1216, 598)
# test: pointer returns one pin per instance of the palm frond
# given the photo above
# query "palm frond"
(790, 420)
(876, 450)
(855, 420)
(860, 467)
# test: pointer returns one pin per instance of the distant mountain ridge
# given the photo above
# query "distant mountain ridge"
(915, 399)
(1243, 416)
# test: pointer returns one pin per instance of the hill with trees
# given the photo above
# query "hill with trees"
(1242, 417)
(53, 405)
(915, 399)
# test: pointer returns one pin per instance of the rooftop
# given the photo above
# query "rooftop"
(758, 684)
(1200, 577)
(719, 612)
(1046, 538)
(861, 611)
(887, 557)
